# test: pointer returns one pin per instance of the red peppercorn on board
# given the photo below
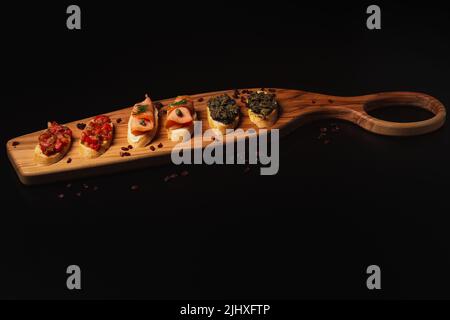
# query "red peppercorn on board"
(296, 108)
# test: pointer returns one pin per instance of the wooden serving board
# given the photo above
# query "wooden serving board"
(297, 107)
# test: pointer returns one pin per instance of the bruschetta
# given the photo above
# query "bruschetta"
(223, 113)
(262, 109)
(96, 137)
(53, 144)
(180, 118)
(143, 123)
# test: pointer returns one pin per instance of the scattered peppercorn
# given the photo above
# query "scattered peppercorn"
(325, 132)
(184, 173)
(125, 154)
(119, 120)
(200, 99)
(335, 128)
(124, 149)
(130, 147)
(81, 125)
(170, 177)
(15, 144)
(69, 160)
(160, 145)
(152, 148)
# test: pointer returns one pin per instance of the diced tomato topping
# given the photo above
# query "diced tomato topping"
(98, 130)
(102, 120)
(58, 145)
(54, 139)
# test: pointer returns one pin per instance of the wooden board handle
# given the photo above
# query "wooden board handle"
(363, 119)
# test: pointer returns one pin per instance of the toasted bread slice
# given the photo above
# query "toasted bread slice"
(142, 140)
(42, 159)
(260, 120)
(183, 133)
(263, 122)
(222, 127)
(90, 153)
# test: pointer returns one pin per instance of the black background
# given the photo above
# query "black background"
(308, 232)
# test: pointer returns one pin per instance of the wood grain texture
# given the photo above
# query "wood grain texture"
(297, 108)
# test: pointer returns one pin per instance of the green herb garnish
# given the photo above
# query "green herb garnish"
(140, 108)
(223, 109)
(184, 101)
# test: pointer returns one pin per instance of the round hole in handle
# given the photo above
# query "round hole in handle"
(399, 114)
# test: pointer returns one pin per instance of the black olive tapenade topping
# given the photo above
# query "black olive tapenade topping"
(262, 103)
(223, 109)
